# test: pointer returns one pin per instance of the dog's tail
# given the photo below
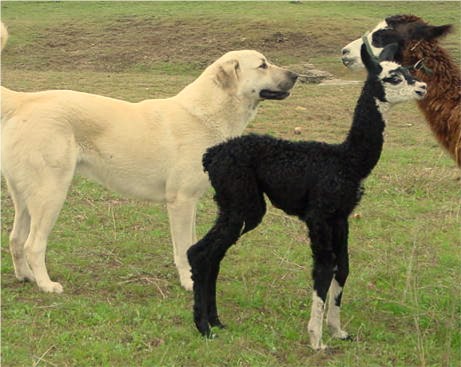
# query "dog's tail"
(3, 35)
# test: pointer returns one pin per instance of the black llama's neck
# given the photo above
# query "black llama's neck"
(365, 140)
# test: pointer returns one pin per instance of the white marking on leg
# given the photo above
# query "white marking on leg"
(333, 314)
(316, 322)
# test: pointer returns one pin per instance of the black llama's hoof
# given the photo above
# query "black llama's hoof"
(204, 329)
(217, 323)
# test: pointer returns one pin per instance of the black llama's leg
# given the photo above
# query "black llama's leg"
(196, 255)
(233, 227)
(320, 233)
(205, 258)
(242, 209)
(340, 248)
(252, 219)
(212, 307)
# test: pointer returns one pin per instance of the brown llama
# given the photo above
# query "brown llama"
(419, 49)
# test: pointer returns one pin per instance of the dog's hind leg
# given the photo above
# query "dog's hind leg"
(44, 193)
(19, 235)
(44, 208)
(182, 224)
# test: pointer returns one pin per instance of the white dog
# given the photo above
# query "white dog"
(151, 150)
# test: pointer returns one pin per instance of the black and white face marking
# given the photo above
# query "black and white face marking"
(399, 85)
(399, 75)
(351, 52)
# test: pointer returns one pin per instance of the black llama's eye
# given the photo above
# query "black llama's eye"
(393, 79)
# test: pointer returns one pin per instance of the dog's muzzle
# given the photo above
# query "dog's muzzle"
(271, 94)
(285, 87)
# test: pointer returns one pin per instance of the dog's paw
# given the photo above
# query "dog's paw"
(341, 334)
(319, 347)
(25, 276)
(52, 287)
(187, 283)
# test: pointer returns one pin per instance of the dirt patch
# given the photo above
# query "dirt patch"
(133, 42)
(309, 74)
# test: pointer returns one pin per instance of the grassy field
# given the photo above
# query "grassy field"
(122, 303)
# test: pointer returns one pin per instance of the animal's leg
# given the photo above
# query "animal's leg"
(200, 274)
(44, 208)
(320, 234)
(182, 224)
(242, 208)
(194, 229)
(19, 235)
(205, 258)
(213, 317)
(340, 236)
(233, 232)
(40, 173)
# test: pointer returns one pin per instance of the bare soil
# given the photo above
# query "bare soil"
(132, 41)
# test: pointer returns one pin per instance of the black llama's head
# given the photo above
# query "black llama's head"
(391, 83)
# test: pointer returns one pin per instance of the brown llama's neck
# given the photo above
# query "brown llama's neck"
(442, 104)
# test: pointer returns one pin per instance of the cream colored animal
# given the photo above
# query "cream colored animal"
(3, 35)
(151, 150)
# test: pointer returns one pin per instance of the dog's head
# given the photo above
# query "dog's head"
(248, 74)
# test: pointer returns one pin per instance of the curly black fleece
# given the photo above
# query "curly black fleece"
(319, 183)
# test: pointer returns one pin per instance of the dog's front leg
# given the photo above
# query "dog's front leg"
(182, 225)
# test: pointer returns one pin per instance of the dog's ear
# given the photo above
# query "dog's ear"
(228, 74)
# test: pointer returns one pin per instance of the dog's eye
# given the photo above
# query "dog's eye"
(263, 65)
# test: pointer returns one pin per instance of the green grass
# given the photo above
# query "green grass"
(123, 305)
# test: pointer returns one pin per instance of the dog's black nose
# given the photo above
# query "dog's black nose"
(345, 51)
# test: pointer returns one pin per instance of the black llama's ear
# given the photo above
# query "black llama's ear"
(370, 61)
(228, 74)
(388, 53)
(429, 32)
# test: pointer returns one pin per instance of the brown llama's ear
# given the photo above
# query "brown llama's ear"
(429, 32)
(228, 74)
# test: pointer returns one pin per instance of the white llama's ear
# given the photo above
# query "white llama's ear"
(388, 53)
(228, 74)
